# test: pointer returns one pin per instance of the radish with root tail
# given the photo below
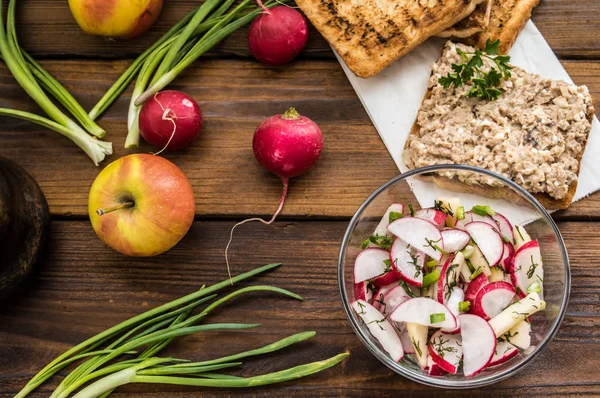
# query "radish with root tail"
(287, 145)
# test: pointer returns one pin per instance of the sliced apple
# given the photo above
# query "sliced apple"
(424, 311)
(478, 343)
(436, 217)
(478, 261)
(446, 350)
(488, 240)
(405, 338)
(526, 267)
(380, 328)
(497, 274)
(418, 337)
(421, 234)
(455, 239)
(505, 227)
(504, 351)
(381, 229)
(370, 263)
(492, 299)
(520, 335)
(516, 312)
(521, 236)
(450, 206)
(408, 261)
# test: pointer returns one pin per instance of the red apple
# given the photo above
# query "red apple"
(141, 205)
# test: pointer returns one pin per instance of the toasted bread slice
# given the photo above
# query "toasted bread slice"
(476, 22)
(371, 34)
(507, 19)
(537, 129)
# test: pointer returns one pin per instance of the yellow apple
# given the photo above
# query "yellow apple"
(141, 205)
(115, 18)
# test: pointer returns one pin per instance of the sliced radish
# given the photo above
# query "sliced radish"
(370, 263)
(492, 299)
(420, 234)
(456, 297)
(478, 343)
(527, 267)
(520, 335)
(507, 256)
(424, 311)
(418, 337)
(488, 239)
(405, 338)
(450, 206)
(455, 239)
(506, 228)
(380, 294)
(433, 369)
(474, 287)
(364, 291)
(471, 217)
(446, 350)
(516, 312)
(504, 351)
(448, 279)
(521, 236)
(380, 328)
(381, 229)
(436, 217)
(390, 276)
(393, 299)
(408, 261)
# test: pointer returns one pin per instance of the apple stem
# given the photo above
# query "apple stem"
(125, 205)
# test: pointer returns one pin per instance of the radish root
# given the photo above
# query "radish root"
(285, 182)
(165, 116)
(262, 6)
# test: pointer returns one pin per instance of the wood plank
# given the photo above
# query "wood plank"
(570, 28)
(85, 287)
(235, 97)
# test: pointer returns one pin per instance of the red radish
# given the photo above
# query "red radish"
(455, 239)
(408, 261)
(506, 228)
(470, 217)
(507, 256)
(170, 120)
(380, 328)
(474, 287)
(390, 275)
(287, 145)
(435, 216)
(380, 294)
(393, 299)
(433, 369)
(448, 279)
(492, 299)
(370, 263)
(446, 351)
(363, 291)
(456, 297)
(421, 234)
(278, 35)
(504, 352)
(381, 229)
(517, 312)
(478, 343)
(405, 338)
(527, 267)
(488, 239)
(424, 311)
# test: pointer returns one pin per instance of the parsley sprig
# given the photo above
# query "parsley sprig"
(485, 84)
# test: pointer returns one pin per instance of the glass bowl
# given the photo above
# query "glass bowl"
(557, 277)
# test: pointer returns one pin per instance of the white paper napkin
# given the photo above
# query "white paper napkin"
(393, 97)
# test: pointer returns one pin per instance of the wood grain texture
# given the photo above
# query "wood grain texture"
(85, 287)
(570, 27)
(235, 97)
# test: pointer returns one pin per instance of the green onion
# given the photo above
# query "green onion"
(394, 215)
(468, 252)
(436, 318)
(431, 264)
(464, 306)
(477, 272)
(535, 287)
(412, 210)
(483, 210)
(431, 278)
(460, 213)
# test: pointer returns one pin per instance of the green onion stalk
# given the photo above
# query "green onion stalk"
(61, 123)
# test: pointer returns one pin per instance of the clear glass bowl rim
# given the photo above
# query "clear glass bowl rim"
(420, 377)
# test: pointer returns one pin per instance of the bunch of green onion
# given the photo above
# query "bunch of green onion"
(115, 357)
(37, 82)
(177, 49)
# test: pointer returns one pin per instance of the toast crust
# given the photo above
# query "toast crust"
(371, 34)
(508, 18)
(477, 22)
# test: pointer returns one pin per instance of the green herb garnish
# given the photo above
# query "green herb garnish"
(378, 322)
(416, 345)
(483, 210)
(460, 213)
(439, 345)
(385, 242)
(431, 263)
(394, 215)
(485, 84)
(431, 278)
(439, 205)
(406, 288)
(412, 210)
(532, 268)
(432, 244)
(477, 272)
(436, 318)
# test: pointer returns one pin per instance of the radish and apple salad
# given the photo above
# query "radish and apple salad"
(454, 289)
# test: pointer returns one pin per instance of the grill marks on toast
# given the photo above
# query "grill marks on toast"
(371, 34)
(477, 22)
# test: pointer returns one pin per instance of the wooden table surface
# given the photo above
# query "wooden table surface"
(85, 287)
